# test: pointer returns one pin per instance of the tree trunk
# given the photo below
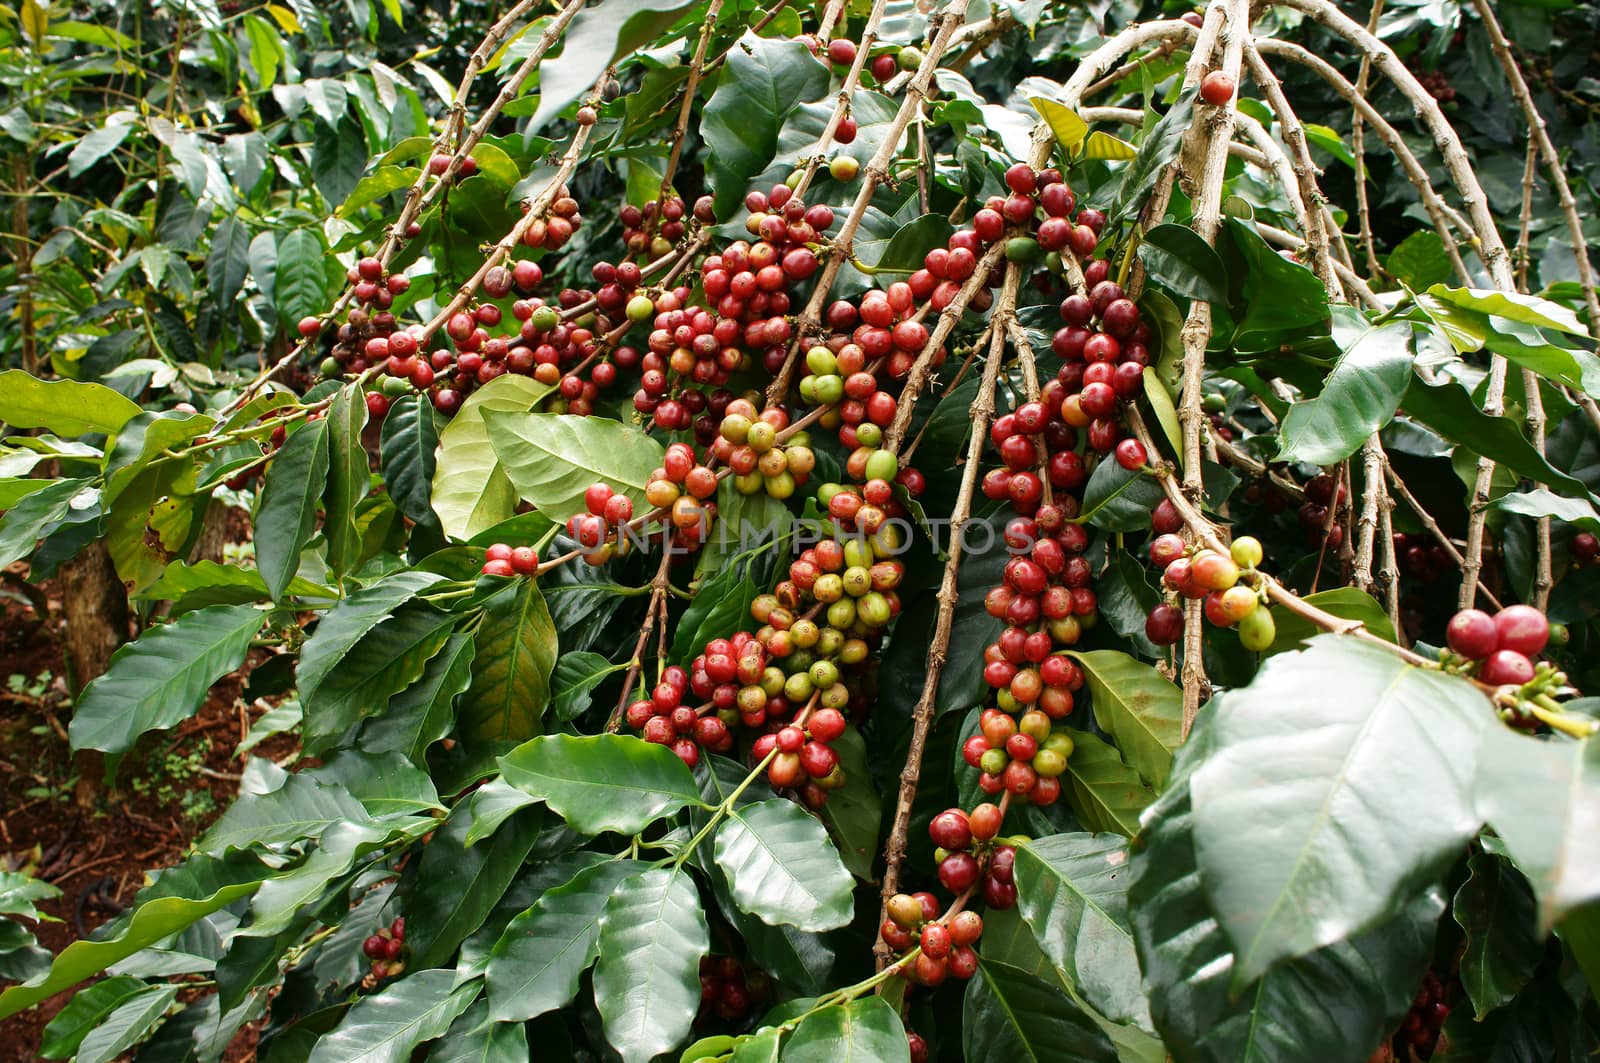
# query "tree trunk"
(96, 608)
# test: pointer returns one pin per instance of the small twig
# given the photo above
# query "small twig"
(1358, 148)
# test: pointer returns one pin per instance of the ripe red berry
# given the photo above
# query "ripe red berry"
(1216, 88)
(1131, 455)
(1473, 634)
(1522, 628)
(1506, 666)
(950, 830)
(1164, 625)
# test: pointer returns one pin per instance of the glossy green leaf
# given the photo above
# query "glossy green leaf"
(1178, 258)
(1010, 1015)
(1350, 603)
(593, 41)
(1119, 499)
(1541, 502)
(765, 81)
(537, 963)
(1106, 794)
(1420, 260)
(782, 867)
(348, 478)
(386, 660)
(410, 438)
(423, 712)
(602, 782)
(387, 1026)
(477, 1037)
(647, 981)
(65, 407)
(1543, 799)
(149, 923)
(131, 1022)
(1159, 148)
(1073, 891)
(553, 459)
(471, 491)
(206, 583)
(300, 282)
(87, 1008)
(301, 808)
(516, 651)
(160, 679)
(854, 812)
(344, 625)
(1514, 306)
(1333, 1004)
(287, 515)
(1359, 396)
(1314, 809)
(1138, 707)
(864, 1030)
(1281, 297)
(1495, 910)
(1160, 400)
(35, 515)
(575, 677)
(459, 884)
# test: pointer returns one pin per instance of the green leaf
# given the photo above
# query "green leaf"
(130, 1023)
(228, 263)
(206, 583)
(576, 676)
(344, 625)
(300, 281)
(516, 650)
(1106, 793)
(492, 804)
(35, 516)
(1449, 410)
(1359, 396)
(782, 867)
(602, 782)
(1514, 306)
(96, 145)
(1119, 499)
(1011, 1015)
(905, 251)
(1138, 707)
(65, 407)
(410, 438)
(1160, 147)
(87, 1008)
(1073, 891)
(301, 808)
(537, 963)
(1542, 798)
(595, 40)
(382, 182)
(160, 679)
(287, 515)
(280, 902)
(471, 491)
(423, 712)
(349, 478)
(1539, 502)
(477, 1038)
(1280, 296)
(149, 923)
(387, 1026)
(1065, 125)
(1420, 260)
(647, 981)
(553, 458)
(1331, 1005)
(1102, 145)
(1179, 259)
(1349, 603)
(457, 884)
(387, 660)
(764, 82)
(864, 1030)
(1495, 909)
(854, 812)
(1315, 809)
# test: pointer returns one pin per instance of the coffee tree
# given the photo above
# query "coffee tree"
(794, 534)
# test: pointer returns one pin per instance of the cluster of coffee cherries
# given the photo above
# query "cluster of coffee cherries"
(848, 581)
(363, 339)
(385, 949)
(1105, 345)
(1500, 649)
(1024, 756)
(969, 853)
(1426, 560)
(1323, 493)
(638, 221)
(841, 52)
(1045, 193)
(664, 718)
(688, 350)
(684, 488)
(747, 443)
(802, 757)
(1227, 583)
(555, 227)
(944, 944)
(595, 530)
(1418, 1035)
(728, 991)
(439, 163)
(1046, 602)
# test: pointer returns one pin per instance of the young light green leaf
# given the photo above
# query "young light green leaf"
(1069, 129)
(471, 492)
(552, 459)
(127, 1025)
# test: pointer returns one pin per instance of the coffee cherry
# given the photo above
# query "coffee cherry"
(1246, 552)
(843, 168)
(950, 830)
(1473, 634)
(1216, 88)
(1506, 667)
(1164, 625)
(1131, 455)
(1258, 631)
(1523, 629)
(376, 948)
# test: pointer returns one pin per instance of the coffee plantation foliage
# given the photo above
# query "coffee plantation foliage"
(838, 531)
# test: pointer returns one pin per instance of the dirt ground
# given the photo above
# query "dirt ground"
(167, 792)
